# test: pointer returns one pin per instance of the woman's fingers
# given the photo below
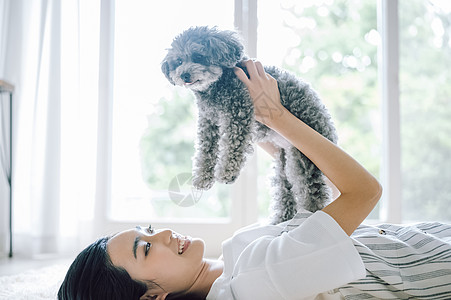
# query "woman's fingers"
(241, 76)
(258, 80)
(251, 69)
(255, 69)
(256, 73)
(260, 69)
(264, 91)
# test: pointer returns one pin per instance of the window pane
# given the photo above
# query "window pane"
(425, 57)
(154, 123)
(332, 45)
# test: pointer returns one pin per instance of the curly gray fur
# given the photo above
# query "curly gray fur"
(202, 59)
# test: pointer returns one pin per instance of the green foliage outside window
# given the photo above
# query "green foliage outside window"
(341, 48)
(168, 142)
(167, 147)
(425, 81)
(337, 55)
(339, 58)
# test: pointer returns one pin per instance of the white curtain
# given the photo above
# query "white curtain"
(50, 52)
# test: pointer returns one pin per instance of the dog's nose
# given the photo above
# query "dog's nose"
(186, 77)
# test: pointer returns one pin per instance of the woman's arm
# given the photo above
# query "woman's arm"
(360, 191)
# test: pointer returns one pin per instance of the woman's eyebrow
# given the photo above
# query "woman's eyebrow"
(135, 243)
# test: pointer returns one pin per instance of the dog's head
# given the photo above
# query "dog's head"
(198, 55)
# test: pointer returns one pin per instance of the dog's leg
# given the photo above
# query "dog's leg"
(307, 181)
(206, 153)
(235, 143)
(283, 205)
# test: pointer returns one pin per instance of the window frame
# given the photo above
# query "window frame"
(388, 69)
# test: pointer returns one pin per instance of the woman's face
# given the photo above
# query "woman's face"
(171, 260)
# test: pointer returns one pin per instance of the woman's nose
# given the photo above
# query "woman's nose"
(161, 235)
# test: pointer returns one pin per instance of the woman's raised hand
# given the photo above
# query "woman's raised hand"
(263, 90)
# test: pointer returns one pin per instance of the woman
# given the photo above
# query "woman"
(312, 256)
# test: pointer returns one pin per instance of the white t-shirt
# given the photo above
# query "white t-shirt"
(261, 263)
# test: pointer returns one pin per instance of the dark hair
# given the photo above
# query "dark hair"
(93, 276)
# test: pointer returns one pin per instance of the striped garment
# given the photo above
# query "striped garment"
(401, 261)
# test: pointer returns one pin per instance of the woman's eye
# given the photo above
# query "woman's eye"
(148, 245)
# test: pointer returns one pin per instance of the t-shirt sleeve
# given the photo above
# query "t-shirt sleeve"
(313, 258)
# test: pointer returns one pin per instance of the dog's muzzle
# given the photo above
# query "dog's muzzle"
(195, 76)
(186, 77)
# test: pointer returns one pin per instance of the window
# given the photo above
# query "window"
(425, 102)
(154, 123)
(309, 36)
(335, 45)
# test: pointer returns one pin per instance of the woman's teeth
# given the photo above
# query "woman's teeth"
(181, 245)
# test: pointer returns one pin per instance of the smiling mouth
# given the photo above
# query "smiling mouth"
(183, 244)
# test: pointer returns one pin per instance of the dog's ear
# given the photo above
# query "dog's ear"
(165, 70)
(226, 48)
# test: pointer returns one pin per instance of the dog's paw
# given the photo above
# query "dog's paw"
(227, 173)
(226, 177)
(201, 182)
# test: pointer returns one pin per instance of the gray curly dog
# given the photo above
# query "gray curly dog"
(202, 59)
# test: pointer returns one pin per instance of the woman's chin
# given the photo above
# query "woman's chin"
(196, 246)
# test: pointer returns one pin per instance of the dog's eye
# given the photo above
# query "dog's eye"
(198, 58)
(175, 63)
